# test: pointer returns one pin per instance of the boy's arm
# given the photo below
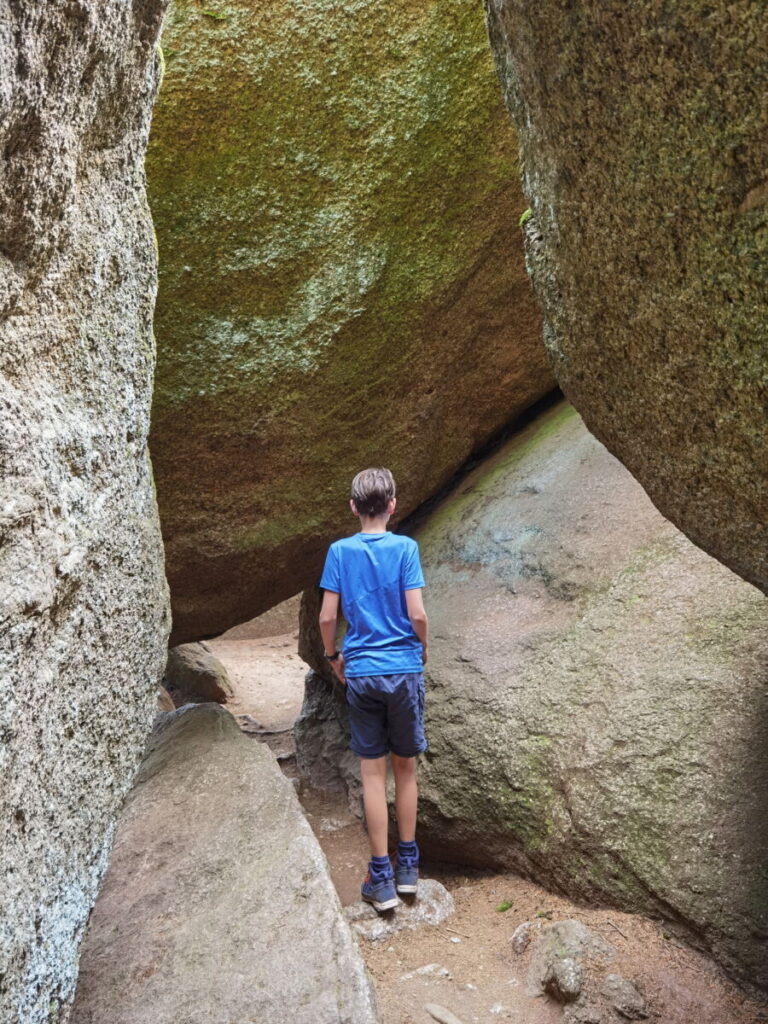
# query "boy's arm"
(418, 618)
(329, 614)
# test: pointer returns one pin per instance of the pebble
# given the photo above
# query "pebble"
(455, 938)
(436, 970)
(332, 824)
(521, 937)
(440, 1014)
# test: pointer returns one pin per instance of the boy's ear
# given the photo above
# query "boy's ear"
(353, 507)
(391, 505)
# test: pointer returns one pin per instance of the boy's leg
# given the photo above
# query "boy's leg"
(373, 773)
(406, 740)
(406, 796)
(367, 723)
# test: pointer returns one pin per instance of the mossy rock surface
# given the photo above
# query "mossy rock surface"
(597, 695)
(334, 188)
(643, 133)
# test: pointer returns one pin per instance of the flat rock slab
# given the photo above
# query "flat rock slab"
(217, 906)
(433, 905)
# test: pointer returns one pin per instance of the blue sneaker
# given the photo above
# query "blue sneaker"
(407, 872)
(380, 893)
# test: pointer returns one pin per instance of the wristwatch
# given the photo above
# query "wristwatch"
(332, 657)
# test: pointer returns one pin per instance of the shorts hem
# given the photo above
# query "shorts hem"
(414, 754)
(369, 757)
(392, 672)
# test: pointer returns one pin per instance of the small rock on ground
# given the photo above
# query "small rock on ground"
(624, 997)
(564, 979)
(440, 1014)
(433, 905)
(521, 936)
(193, 674)
(555, 962)
(433, 970)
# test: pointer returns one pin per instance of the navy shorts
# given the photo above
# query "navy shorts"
(386, 713)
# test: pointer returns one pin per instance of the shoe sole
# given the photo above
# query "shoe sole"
(382, 904)
(406, 889)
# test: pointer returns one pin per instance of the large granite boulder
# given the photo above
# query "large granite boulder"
(83, 599)
(334, 189)
(217, 905)
(597, 695)
(645, 154)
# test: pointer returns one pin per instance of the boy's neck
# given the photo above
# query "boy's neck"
(373, 524)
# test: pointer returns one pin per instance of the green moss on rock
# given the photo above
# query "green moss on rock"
(645, 164)
(331, 184)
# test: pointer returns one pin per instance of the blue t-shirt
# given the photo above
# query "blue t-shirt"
(371, 572)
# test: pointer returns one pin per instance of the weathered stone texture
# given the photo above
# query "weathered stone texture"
(217, 906)
(597, 696)
(83, 599)
(335, 193)
(644, 136)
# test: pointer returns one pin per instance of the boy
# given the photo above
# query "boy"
(378, 577)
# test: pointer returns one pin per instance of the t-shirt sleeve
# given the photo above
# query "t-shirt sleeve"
(331, 578)
(413, 578)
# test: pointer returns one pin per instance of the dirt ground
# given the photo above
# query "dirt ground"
(267, 676)
(467, 964)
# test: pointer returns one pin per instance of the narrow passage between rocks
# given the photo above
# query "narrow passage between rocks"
(494, 956)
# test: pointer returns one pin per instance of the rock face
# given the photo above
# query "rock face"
(83, 595)
(334, 199)
(645, 154)
(597, 697)
(251, 927)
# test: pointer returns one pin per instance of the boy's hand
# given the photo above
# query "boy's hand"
(423, 654)
(338, 668)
